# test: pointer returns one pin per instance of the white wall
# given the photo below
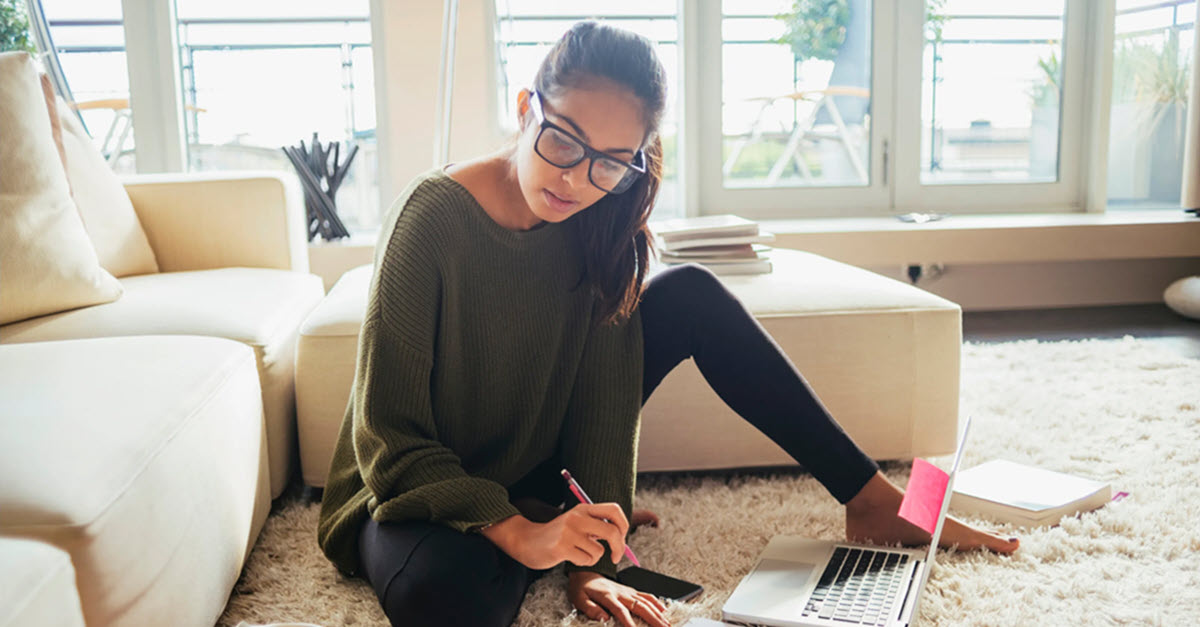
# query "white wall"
(407, 46)
(1000, 286)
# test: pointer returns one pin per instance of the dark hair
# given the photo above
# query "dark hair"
(612, 234)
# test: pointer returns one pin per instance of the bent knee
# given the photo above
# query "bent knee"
(432, 587)
(690, 281)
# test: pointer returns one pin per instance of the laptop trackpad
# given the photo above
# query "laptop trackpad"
(772, 590)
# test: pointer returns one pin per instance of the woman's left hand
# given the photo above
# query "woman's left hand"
(598, 597)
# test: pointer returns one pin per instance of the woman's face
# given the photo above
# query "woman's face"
(607, 118)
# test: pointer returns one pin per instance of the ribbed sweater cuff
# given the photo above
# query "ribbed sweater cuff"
(490, 508)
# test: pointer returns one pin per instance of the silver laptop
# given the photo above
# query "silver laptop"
(800, 581)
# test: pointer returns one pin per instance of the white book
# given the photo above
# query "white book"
(704, 227)
(736, 251)
(1023, 495)
(759, 266)
(762, 237)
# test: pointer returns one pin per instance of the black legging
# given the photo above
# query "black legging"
(428, 574)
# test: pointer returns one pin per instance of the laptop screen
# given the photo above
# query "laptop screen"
(937, 530)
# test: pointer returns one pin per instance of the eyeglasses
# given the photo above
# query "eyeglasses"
(561, 149)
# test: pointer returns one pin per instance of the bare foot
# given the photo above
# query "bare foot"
(871, 516)
(642, 517)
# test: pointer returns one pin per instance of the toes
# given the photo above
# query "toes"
(1001, 545)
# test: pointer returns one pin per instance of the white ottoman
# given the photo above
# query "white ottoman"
(144, 458)
(882, 355)
(37, 586)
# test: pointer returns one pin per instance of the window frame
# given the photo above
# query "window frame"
(1063, 195)
(712, 197)
(897, 35)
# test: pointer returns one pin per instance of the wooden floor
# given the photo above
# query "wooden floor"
(1154, 322)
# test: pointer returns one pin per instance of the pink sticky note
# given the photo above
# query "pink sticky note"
(923, 497)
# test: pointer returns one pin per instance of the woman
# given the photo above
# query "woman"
(509, 335)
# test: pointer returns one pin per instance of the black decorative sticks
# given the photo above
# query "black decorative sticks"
(321, 178)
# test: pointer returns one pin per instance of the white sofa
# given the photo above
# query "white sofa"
(233, 263)
(882, 355)
(147, 334)
(37, 585)
(143, 458)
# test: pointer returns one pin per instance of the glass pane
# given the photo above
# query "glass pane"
(90, 41)
(263, 75)
(1152, 58)
(992, 83)
(527, 29)
(803, 116)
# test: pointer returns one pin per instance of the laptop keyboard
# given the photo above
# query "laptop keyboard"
(858, 586)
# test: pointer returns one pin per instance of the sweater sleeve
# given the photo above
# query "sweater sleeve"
(600, 432)
(410, 474)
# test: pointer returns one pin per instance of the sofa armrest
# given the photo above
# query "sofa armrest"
(222, 219)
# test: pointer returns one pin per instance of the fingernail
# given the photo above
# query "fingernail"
(1012, 539)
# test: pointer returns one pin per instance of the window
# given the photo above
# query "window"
(254, 77)
(827, 108)
(90, 41)
(788, 118)
(259, 76)
(527, 29)
(1152, 55)
(990, 92)
(803, 117)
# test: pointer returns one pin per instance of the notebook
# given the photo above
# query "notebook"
(801, 581)
(1025, 495)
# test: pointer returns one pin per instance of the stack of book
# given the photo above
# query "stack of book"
(725, 244)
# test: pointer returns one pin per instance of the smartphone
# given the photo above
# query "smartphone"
(658, 584)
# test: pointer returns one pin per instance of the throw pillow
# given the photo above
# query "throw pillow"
(107, 213)
(47, 262)
(55, 124)
(1183, 296)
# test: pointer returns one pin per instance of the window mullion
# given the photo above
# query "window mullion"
(154, 85)
(692, 101)
(708, 68)
(905, 146)
(1093, 155)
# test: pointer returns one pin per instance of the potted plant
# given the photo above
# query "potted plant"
(815, 29)
(14, 27)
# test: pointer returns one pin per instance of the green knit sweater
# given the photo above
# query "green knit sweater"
(477, 363)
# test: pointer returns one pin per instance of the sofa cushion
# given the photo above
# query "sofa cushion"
(49, 263)
(260, 307)
(142, 458)
(107, 213)
(37, 585)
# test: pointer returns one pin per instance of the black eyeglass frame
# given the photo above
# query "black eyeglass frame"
(637, 167)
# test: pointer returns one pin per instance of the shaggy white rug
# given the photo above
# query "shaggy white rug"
(1125, 411)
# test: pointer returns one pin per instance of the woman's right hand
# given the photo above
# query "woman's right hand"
(572, 536)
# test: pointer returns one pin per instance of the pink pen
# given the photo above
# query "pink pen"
(583, 498)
